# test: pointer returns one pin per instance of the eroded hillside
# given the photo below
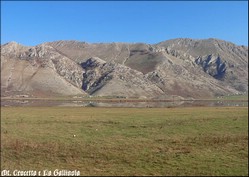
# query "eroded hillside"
(183, 67)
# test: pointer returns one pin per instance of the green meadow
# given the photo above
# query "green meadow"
(126, 141)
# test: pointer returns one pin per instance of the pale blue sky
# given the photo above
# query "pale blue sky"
(35, 22)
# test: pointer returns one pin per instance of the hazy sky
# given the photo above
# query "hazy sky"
(35, 22)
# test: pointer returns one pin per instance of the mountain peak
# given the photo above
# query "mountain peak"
(11, 44)
(184, 67)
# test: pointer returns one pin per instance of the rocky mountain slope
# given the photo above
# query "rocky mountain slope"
(183, 67)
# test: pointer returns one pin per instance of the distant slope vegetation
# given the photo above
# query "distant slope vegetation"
(182, 67)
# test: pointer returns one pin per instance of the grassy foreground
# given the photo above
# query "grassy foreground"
(126, 141)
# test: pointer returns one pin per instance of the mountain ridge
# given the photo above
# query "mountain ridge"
(156, 43)
(183, 66)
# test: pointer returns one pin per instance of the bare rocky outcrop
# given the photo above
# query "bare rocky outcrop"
(183, 67)
(21, 68)
(213, 65)
(119, 79)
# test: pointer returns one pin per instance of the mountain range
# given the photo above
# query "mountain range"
(181, 67)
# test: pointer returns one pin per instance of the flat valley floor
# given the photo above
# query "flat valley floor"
(126, 141)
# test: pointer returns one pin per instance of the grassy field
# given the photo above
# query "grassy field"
(126, 141)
